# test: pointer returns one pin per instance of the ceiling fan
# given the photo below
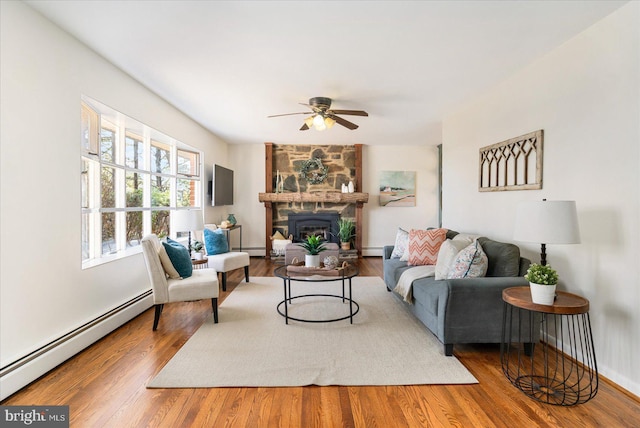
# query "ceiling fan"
(322, 117)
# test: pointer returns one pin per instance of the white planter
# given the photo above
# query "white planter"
(196, 255)
(542, 294)
(312, 261)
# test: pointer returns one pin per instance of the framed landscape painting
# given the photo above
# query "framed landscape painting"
(398, 188)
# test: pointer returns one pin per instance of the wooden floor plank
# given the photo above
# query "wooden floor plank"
(105, 385)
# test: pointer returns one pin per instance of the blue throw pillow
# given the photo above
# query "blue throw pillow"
(180, 258)
(215, 241)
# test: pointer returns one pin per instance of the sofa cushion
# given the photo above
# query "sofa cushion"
(504, 259)
(424, 246)
(180, 258)
(401, 244)
(446, 256)
(470, 262)
(215, 241)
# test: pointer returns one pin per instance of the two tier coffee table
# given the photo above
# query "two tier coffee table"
(316, 282)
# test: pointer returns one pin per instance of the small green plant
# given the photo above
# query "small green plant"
(345, 229)
(539, 274)
(313, 245)
(196, 246)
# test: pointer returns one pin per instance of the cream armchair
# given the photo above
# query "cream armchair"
(203, 284)
(226, 262)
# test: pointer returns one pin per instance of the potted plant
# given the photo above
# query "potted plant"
(196, 249)
(314, 246)
(345, 232)
(542, 282)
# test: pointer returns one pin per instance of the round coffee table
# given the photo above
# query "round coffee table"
(344, 276)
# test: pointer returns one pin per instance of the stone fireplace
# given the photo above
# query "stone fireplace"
(297, 195)
(322, 224)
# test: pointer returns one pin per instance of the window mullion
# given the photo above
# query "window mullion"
(95, 220)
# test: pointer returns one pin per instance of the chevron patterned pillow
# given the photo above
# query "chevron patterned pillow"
(424, 246)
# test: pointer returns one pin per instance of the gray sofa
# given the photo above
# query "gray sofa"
(466, 310)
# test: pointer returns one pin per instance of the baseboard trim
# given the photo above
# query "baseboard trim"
(22, 372)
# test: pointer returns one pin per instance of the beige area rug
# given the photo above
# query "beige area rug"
(252, 346)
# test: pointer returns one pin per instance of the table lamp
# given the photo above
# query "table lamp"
(547, 222)
(186, 221)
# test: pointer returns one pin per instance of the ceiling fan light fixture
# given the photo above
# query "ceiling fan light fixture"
(318, 123)
(322, 117)
(309, 121)
(329, 122)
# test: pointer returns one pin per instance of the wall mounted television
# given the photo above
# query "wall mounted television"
(221, 188)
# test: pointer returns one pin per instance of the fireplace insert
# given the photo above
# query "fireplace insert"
(324, 224)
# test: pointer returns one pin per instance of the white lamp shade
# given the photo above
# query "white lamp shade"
(187, 220)
(547, 222)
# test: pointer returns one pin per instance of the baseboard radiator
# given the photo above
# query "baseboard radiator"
(20, 373)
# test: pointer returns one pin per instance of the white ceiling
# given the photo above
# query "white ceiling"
(230, 64)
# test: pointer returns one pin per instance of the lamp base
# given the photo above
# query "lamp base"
(543, 254)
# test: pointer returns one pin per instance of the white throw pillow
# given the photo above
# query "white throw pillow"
(401, 245)
(466, 237)
(446, 256)
(471, 262)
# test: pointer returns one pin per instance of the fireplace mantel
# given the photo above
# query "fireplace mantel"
(334, 197)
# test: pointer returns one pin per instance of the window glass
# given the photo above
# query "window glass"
(109, 233)
(188, 192)
(107, 145)
(134, 189)
(160, 223)
(188, 163)
(84, 178)
(160, 191)
(89, 119)
(86, 242)
(160, 158)
(134, 228)
(134, 152)
(108, 187)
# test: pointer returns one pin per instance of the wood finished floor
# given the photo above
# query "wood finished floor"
(105, 387)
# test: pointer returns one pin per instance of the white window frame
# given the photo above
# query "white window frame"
(91, 178)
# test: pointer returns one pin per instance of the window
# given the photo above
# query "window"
(132, 179)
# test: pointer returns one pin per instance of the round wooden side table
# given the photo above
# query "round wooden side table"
(200, 263)
(560, 367)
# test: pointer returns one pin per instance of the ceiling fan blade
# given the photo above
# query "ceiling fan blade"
(344, 122)
(351, 112)
(304, 127)
(289, 114)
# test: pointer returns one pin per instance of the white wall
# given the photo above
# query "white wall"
(585, 95)
(44, 293)
(380, 223)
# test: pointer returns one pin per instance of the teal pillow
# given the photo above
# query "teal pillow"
(215, 241)
(180, 258)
